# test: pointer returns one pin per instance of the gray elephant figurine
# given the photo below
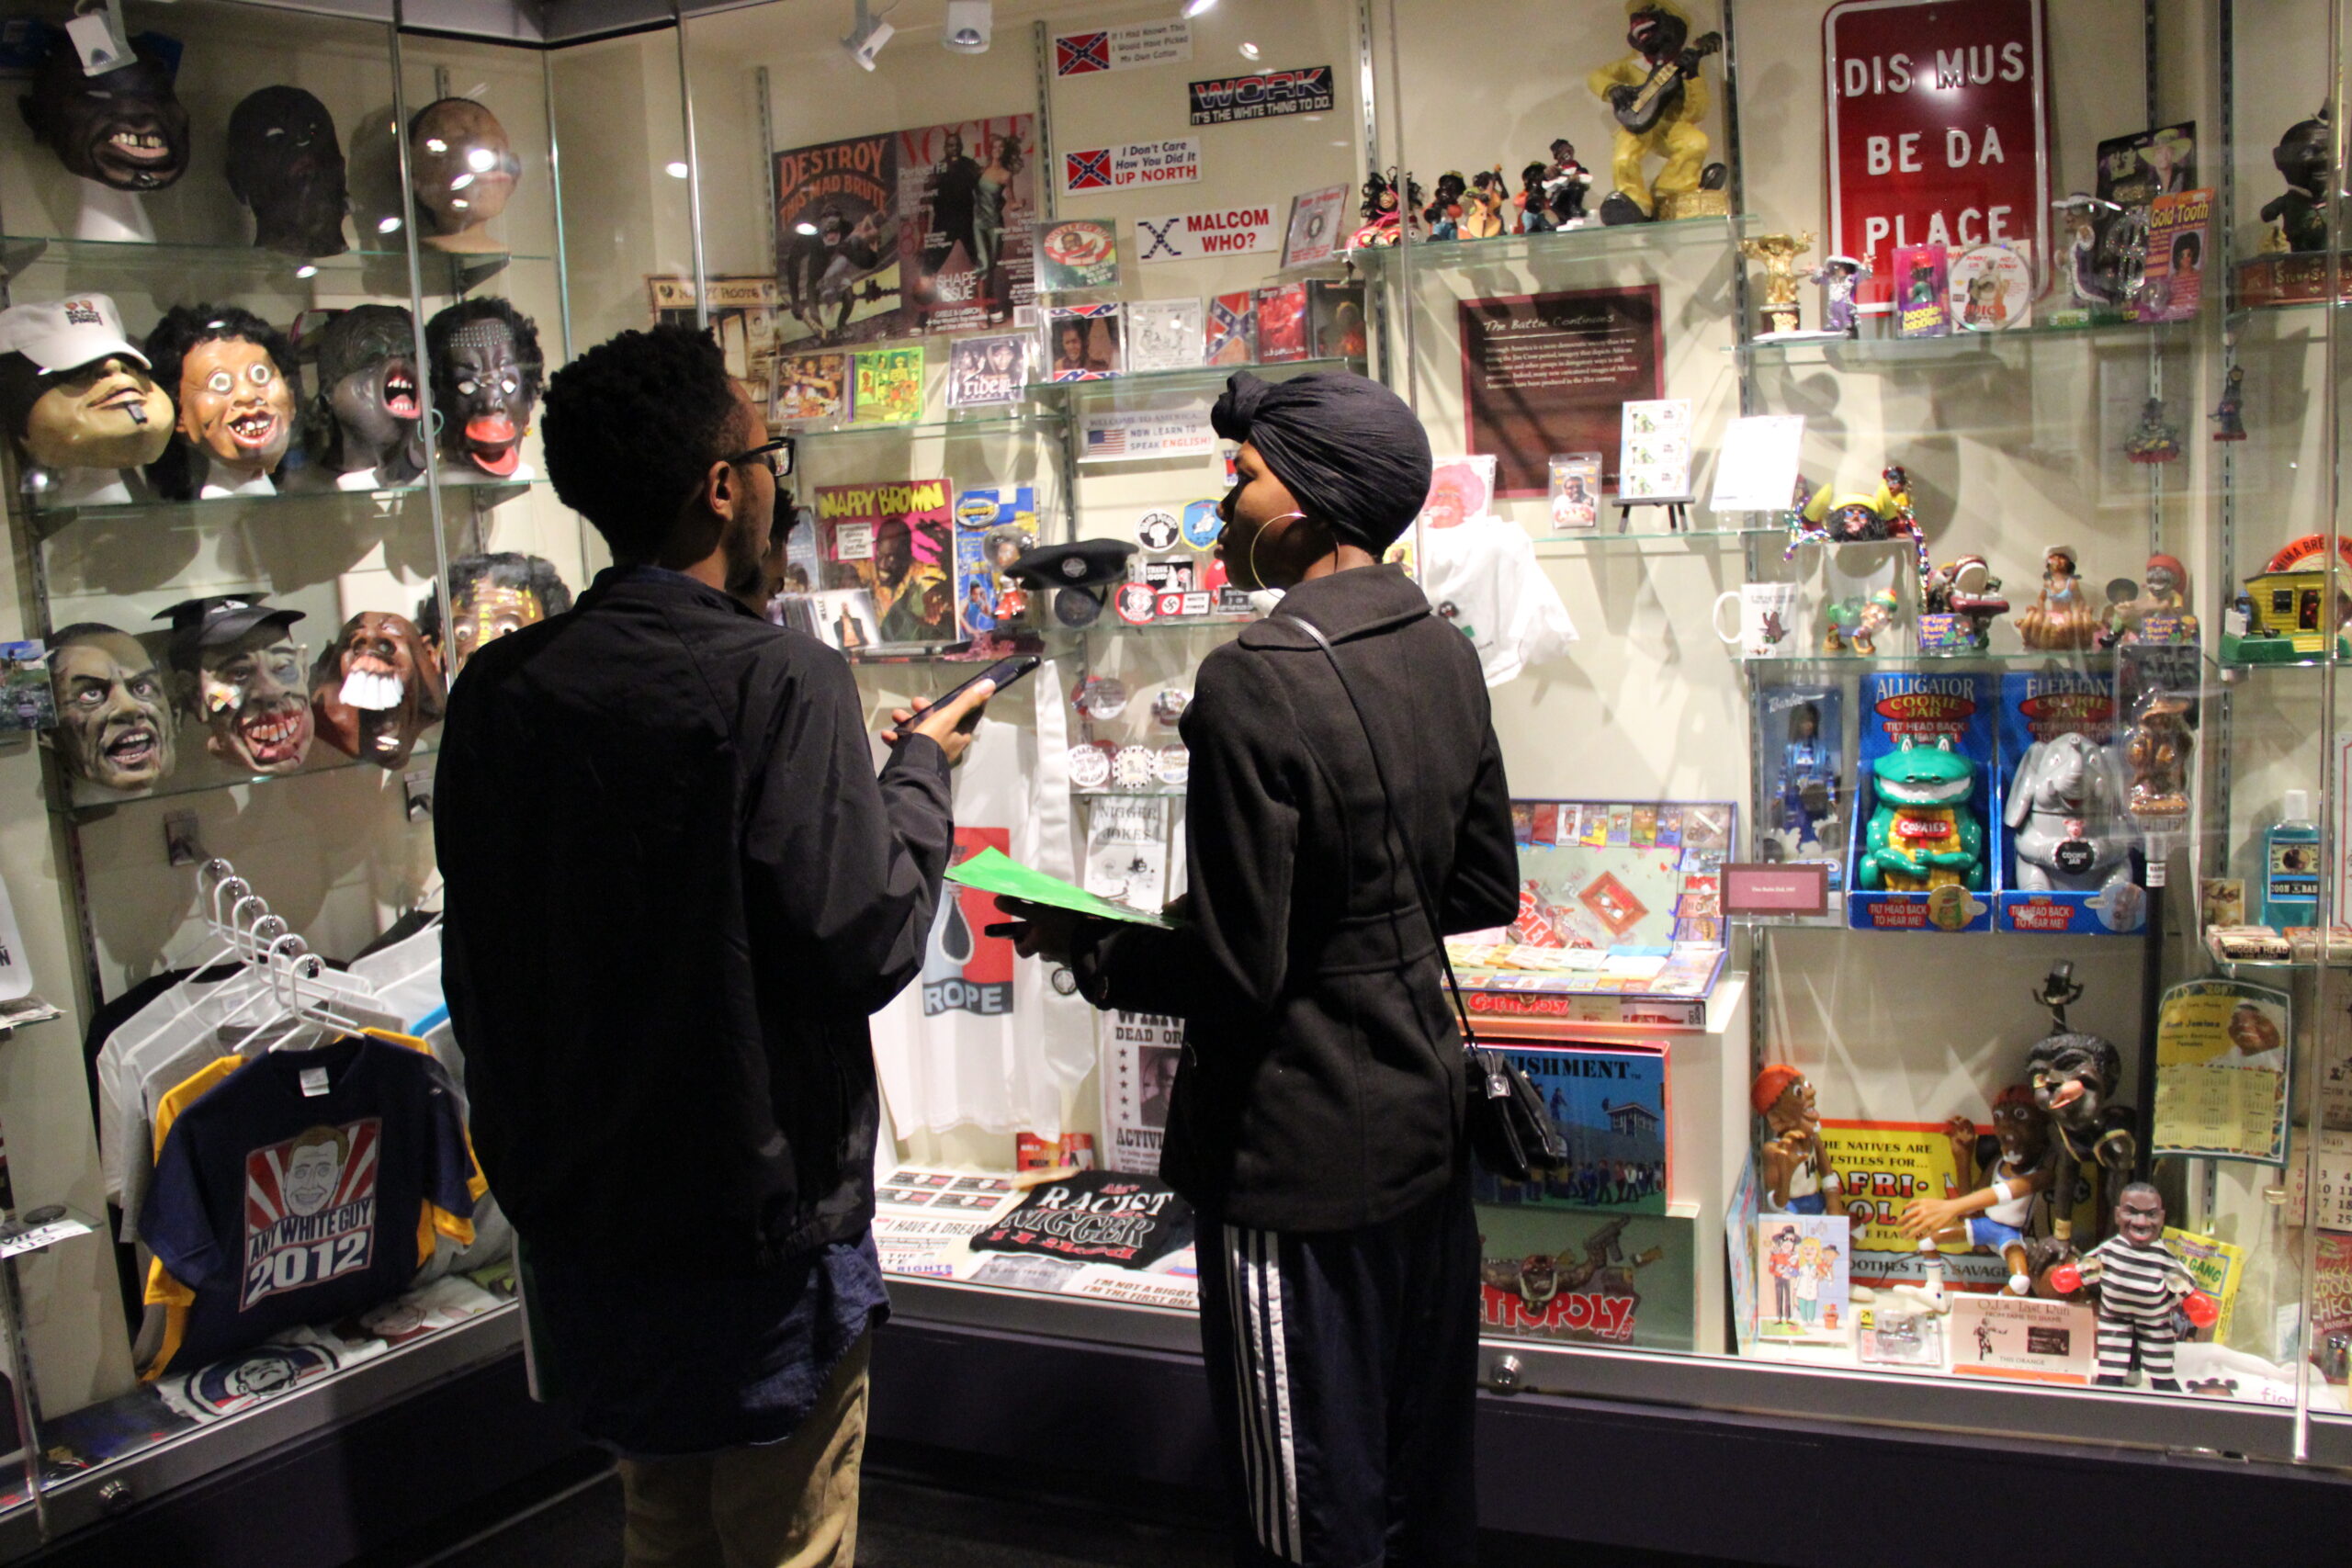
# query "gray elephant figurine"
(2065, 810)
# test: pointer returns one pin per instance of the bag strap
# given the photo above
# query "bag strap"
(1413, 867)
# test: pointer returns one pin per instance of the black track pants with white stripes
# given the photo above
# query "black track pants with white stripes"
(1342, 1371)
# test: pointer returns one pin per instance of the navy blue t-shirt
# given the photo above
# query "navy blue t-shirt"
(304, 1186)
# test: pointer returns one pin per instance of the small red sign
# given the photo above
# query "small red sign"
(1774, 889)
(1938, 130)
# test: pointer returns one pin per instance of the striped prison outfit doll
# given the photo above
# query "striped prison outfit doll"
(2142, 1289)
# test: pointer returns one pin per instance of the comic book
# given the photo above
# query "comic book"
(888, 385)
(1282, 323)
(994, 527)
(2172, 282)
(895, 541)
(989, 372)
(967, 208)
(810, 389)
(837, 241)
(1233, 329)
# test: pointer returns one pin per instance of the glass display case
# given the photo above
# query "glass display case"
(1887, 462)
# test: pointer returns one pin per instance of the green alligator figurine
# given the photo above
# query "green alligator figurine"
(1925, 832)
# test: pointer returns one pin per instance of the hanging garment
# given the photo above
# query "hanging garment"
(1485, 577)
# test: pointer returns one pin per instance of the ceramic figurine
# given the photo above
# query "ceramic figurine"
(285, 164)
(1778, 253)
(2160, 614)
(2060, 619)
(1967, 589)
(2004, 1173)
(1534, 207)
(1445, 214)
(1482, 210)
(2228, 415)
(1660, 103)
(2144, 1290)
(2303, 158)
(1840, 278)
(80, 400)
(1855, 624)
(462, 170)
(2159, 751)
(1925, 832)
(2156, 441)
(2065, 813)
(1565, 183)
(1386, 199)
(2074, 1075)
(1792, 1170)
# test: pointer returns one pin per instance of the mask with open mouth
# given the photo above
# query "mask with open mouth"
(366, 414)
(232, 374)
(490, 597)
(486, 379)
(285, 164)
(114, 723)
(237, 671)
(376, 689)
(122, 128)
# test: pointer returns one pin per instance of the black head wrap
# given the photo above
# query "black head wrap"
(1346, 447)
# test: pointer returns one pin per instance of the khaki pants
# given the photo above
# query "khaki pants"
(787, 1505)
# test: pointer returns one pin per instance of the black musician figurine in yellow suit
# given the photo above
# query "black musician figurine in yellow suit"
(1659, 103)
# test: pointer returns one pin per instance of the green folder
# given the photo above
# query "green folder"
(994, 871)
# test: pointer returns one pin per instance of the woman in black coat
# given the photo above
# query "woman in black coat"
(1317, 1118)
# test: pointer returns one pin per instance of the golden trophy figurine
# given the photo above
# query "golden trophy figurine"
(1779, 254)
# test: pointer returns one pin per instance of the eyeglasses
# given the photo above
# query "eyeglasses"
(775, 454)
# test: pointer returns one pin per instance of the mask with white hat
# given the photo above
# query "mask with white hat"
(74, 391)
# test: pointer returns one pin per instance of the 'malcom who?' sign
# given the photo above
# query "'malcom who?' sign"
(1937, 131)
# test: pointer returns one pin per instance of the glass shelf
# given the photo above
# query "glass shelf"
(1149, 792)
(50, 522)
(2021, 659)
(1594, 241)
(1871, 352)
(199, 773)
(1190, 378)
(167, 259)
(1576, 543)
(983, 424)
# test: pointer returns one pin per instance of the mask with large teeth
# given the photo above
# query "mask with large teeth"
(250, 697)
(235, 404)
(114, 720)
(373, 394)
(122, 128)
(378, 689)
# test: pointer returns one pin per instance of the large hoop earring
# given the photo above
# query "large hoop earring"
(1260, 533)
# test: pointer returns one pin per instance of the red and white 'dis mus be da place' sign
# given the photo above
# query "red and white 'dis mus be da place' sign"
(1938, 127)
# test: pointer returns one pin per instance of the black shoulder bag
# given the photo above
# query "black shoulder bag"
(1510, 1132)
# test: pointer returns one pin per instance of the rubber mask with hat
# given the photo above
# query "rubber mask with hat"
(238, 672)
(73, 391)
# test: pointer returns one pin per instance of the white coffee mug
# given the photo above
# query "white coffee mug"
(1766, 619)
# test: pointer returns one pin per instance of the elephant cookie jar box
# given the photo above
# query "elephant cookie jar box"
(2071, 862)
(1927, 832)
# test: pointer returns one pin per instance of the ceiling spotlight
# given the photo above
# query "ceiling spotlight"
(1249, 52)
(867, 34)
(968, 24)
(1194, 8)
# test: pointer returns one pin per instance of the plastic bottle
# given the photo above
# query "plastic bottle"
(2290, 866)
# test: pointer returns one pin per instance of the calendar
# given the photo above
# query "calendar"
(2335, 1209)
(2222, 1049)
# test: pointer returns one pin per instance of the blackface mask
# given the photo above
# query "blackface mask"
(462, 170)
(285, 164)
(376, 689)
(250, 696)
(122, 128)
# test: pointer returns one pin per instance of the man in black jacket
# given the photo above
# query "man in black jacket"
(675, 891)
